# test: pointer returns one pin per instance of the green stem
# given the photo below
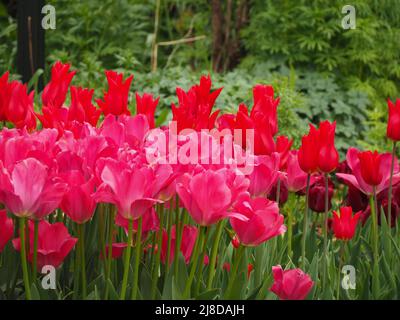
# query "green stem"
(35, 249)
(195, 259)
(390, 192)
(137, 259)
(76, 269)
(156, 266)
(127, 259)
(81, 236)
(375, 280)
(290, 223)
(110, 242)
(169, 228)
(341, 253)
(325, 257)
(22, 234)
(201, 262)
(305, 222)
(234, 271)
(214, 252)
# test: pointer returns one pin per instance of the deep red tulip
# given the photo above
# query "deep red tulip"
(54, 244)
(283, 193)
(345, 224)
(393, 124)
(6, 229)
(308, 155)
(291, 284)
(384, 205)
(328, 158)
(147, 105)
(116, 98)
(56, 90)
(357, 200)
(316, 201)
(264, 220)
(370, 163)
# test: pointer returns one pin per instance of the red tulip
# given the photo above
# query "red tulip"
(282, 146)
(344, 225)
(374, 168)
(328, 158)
(4, 95)
(264, 221)
(117, 250)
(195, 106)
(309, 151)
(250, 268)
(147, 105)
(81, 109)
(370, 163)
(54, 244)
(393, 125)
(291, 284)
(56, 90)
(116, 98)
(6, 229)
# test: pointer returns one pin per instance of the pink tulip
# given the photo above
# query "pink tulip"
(291, 284)
(78, 202)
(264, 221)
(54, 244)
(30, 190)
(207, 197)
(6, 229)
(295, 178)
(150, 223)
(129, 189)
(264, 175)
(356, 178)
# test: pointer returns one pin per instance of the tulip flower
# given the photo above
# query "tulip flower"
(291, 284)
(316, 200)
(128, 189)
(308, 155)
(116, 98)
(117, 250)
(282, 146)
(369, 163)
(344, 224)
(4, 95)
(56, 90)
(81, 109)
(328, 158)
(55, 243)
(283, 193)
(393, 125)
(294, 178)
(150, 223)
(264, 221)
(264, 175)
(30, 189)
(6, 229)
(355, 199)
(207, 197)
(147, 105)
(195, 106)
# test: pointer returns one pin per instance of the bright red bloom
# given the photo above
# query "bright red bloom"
(309, 151)
(250, 268)
(54, 244)
(6, 229)
(116, 98)
(235, 242)
(56, 90)
(328, 158)
(345, 224)
(291, 284)
(117, 250)
(4, 95)
(147, 105)
(195, 106)
(393, 125)
(189, 236)
(264, 220)
(282, 146)
(81, 109)
(370, 163)
(17, 105)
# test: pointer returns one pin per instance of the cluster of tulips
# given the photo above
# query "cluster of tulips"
(194, 229)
